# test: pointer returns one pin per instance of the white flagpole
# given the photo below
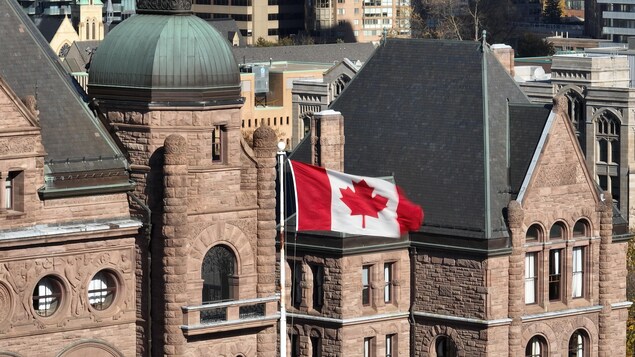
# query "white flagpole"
(283, 309)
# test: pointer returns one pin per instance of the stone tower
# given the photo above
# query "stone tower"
(168, 86)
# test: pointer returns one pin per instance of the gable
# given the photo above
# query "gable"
(558, 175)
(65, 34)
(14, 115)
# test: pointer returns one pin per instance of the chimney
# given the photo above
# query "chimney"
(505, 55)
(327, 138)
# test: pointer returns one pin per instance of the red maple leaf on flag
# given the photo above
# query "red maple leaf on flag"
(362, 202)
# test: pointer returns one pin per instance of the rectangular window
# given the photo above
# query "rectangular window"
(341, 11)
(295, 346)
(8, 192)
(388, 282)
(13, 191)
(577, 281)
(369, 349)
(366, 285)
(316, 346)
(555, 268)
(218, 143)
(296, 280)
(318, 286)
(391, 345)
(531, 279)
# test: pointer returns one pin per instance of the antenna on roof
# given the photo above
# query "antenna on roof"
(483, 40)
(384, 35)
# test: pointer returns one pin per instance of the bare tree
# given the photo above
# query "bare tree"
(452, 19)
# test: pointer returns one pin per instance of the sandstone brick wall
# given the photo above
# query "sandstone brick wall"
(450, 283)
(342, 300)
(558, 331)
(470, 340)
(330, 339)
(73, 265)
(118, 338)
(226, 345)
(562, 191)
(354, 335)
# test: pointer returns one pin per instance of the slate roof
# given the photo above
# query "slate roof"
(78, 56)
(415, 111)
(48, 25)
(525, 130)
(323, 53)
(228, 28)
(73, 138)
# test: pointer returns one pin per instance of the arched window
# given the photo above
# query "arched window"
(94, 35)
(581, 228)
(557, 231)
(219, 275)
(608, 155)
(444, 347)
(537, 347)
(339, 84)
(578, 344)
(534, 233)
(316, 344)
(577, 113)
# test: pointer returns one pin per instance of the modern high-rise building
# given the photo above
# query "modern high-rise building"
(358, 20)
(255, 18)
(612, 19)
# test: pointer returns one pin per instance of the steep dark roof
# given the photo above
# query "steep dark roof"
(79, 54)
(48, 25)
(327, 53)
(73, 138)
(527, 122)
(415, 111)
(228, 28)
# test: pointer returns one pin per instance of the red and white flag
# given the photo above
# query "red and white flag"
(328, 200)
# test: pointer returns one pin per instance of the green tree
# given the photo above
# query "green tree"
(261, 42)
(530, 45)
(552, 12)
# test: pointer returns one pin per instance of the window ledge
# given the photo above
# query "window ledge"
(14, 214)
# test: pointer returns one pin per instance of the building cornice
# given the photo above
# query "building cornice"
(461, 319)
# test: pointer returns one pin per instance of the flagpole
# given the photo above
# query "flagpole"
(283, 309)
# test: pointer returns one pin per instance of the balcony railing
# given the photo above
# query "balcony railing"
(230, 315)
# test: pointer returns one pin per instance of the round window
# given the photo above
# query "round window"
(47, 296)
(102, 290)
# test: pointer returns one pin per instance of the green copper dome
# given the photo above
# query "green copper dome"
(165, 58)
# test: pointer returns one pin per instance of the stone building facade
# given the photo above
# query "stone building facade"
(67, 241)
(208, 270)
(150, 230)
(347, 295)
(597, 87)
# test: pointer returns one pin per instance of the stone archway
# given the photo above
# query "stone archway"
(92, 348)
(544, 330)
(232, 238)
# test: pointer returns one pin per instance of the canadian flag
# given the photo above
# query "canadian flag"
(328, 200)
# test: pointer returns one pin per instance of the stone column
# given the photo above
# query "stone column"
(175, 234)
(265, 152)
(516, 268)
(605, 294)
